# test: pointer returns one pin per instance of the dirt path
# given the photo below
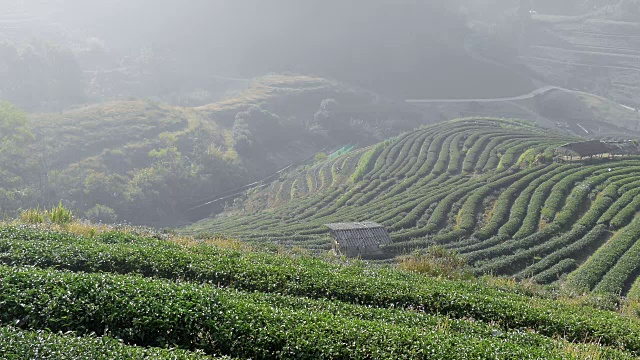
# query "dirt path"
(530, 95)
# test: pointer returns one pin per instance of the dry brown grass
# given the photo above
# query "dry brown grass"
(218, 241)
(264, 88)
(586, 351)
(76, 227)
(631, 308)
(436, 262)
(89, 230)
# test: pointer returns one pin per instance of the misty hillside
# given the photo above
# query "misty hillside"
(286, 179)
(143, 121)
(406, 49)
(176, 104)
(148, 162)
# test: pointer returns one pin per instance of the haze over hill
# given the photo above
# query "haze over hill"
(402, 49)
(287, 179)
(164, 109)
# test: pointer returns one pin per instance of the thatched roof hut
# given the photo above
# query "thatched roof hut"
(586, 148)
(628, 147)
(359, 239)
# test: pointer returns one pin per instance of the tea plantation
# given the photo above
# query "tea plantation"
(80, 292)
(489, 189)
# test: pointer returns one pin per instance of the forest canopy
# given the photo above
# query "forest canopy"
(39, 75)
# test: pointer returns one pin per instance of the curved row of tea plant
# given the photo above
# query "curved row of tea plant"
(486, 188)
(115, 252)
(149, 312)
(43, 344)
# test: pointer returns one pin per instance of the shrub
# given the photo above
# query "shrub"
(47, 345)
(156, 313)
(437, 262)
(367, 162)
(298, 276)
(320, 157)
(102, 214)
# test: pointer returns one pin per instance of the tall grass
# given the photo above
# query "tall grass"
(437, 262)
(60, 215)
(57, 215)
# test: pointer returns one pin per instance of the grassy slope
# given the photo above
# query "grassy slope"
(102, 154)
(87, 131)
(485, 188)
(232, 300)
(610, 112)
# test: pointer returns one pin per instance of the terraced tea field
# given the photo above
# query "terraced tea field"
(114, 293)
(596, 55)
(486, 188)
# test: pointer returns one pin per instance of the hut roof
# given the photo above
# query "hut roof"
(353, 225)
(587, 148)
(359, 234)
(623, 147)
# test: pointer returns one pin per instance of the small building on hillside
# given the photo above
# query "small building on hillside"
(624, 148)
(359, 239)
(599, 149)
(585, 149)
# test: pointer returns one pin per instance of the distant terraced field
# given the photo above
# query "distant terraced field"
(596, 55)
(487, 188)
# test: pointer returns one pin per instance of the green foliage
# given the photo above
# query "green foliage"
(242, 135)
(150, 161)
(14, 130)
(43, 344)
(160, 304)
(320, 157)
(342, 151)
(255, 129)
(15, 137)
(33, 216)
(429, 187)
(437, 262)
(484, 188)
(102, 214)
(605, 258)
(367, 162)
(223, 321)
(60, 215)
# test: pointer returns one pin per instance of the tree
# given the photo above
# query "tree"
(266, 123)
(255, 128)
(102, 214)
(242, 136)
(40, 75)
(326, 116)
(15, 136)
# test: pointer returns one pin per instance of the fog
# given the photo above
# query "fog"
(400, 48)
(403, 48)
(140, 109)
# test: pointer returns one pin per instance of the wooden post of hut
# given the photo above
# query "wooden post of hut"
(360, 239)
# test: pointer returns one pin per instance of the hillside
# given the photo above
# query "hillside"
(488, 189)
(593, 53)
(146, 162)
(77, 290)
